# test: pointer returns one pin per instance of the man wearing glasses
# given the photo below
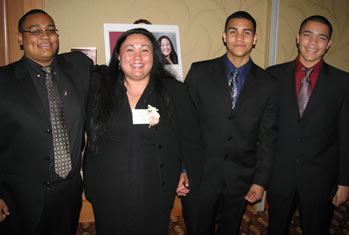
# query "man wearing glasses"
(42, 100)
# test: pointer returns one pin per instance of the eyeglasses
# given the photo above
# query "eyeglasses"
(37, 32)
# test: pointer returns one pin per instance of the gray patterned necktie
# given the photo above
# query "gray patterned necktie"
(233, 84)
(61, 148)
(304, 91)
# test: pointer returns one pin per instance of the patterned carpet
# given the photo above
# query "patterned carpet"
(253, 223)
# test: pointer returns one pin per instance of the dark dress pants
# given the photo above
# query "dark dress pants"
(191, 212)
(315, 217)
(230, 214)
(60, 213)
(213, 206)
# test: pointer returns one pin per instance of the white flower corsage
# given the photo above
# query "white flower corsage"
(154, 116)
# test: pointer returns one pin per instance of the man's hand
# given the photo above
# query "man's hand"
(183, 185)
(341, 196)
(255, 193)
(3, 210)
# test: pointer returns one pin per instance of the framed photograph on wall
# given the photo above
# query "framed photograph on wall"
(167, 36)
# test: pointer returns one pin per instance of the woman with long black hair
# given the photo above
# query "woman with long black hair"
(142, 127)
(168, 50)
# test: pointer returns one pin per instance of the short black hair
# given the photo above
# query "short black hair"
(241, 15)
(142, 21)
(31, 12)
(320, 19)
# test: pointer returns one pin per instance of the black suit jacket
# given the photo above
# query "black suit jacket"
(239, 143)
(313, 151)
(26, 140)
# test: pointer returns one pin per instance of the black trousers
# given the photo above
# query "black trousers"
(213, 211)
(60, 213)
(315, 217)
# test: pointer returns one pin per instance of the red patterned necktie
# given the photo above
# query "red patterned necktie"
(60, 138)
(304, 90)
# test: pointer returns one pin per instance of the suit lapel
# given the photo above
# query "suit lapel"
(250, 87)
(221, 82)
(29, 92)
(319, 91)
(63, 72)
(289, 91)
(69, 93)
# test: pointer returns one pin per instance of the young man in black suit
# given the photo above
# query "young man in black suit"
(36, 195)
(238, 116)
(312, 157)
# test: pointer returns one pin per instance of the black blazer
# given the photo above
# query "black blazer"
(25, 137)
(313, 151)
(239, 143)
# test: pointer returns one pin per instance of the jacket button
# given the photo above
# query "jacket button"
(48, 131)
(163, 183)
(161, 165)
(225, 156)
(231, 116)
(229, 138)
(159, 146)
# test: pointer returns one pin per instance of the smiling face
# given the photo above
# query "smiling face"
(313, 42)
(40, 48)
(239, 38)
(165, 47)
(136, 57)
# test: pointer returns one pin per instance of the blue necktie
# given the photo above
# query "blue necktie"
(233, 84)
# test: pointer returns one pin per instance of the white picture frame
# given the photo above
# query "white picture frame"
(113, 31)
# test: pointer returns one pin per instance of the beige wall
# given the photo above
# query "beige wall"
(201, 23)
(292, 12)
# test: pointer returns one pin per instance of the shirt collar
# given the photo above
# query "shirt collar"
(300, 66)
(35, 66)
(243, 70)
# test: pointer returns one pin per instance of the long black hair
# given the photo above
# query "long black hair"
(173, 54)
(107, 88)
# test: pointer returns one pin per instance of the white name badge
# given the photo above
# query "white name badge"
(140, 116)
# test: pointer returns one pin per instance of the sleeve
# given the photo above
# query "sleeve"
(1, 186)
(343, 135)
(190, 82)
(88, 64)
(190, 139)
(267, 138)
(91, 160)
